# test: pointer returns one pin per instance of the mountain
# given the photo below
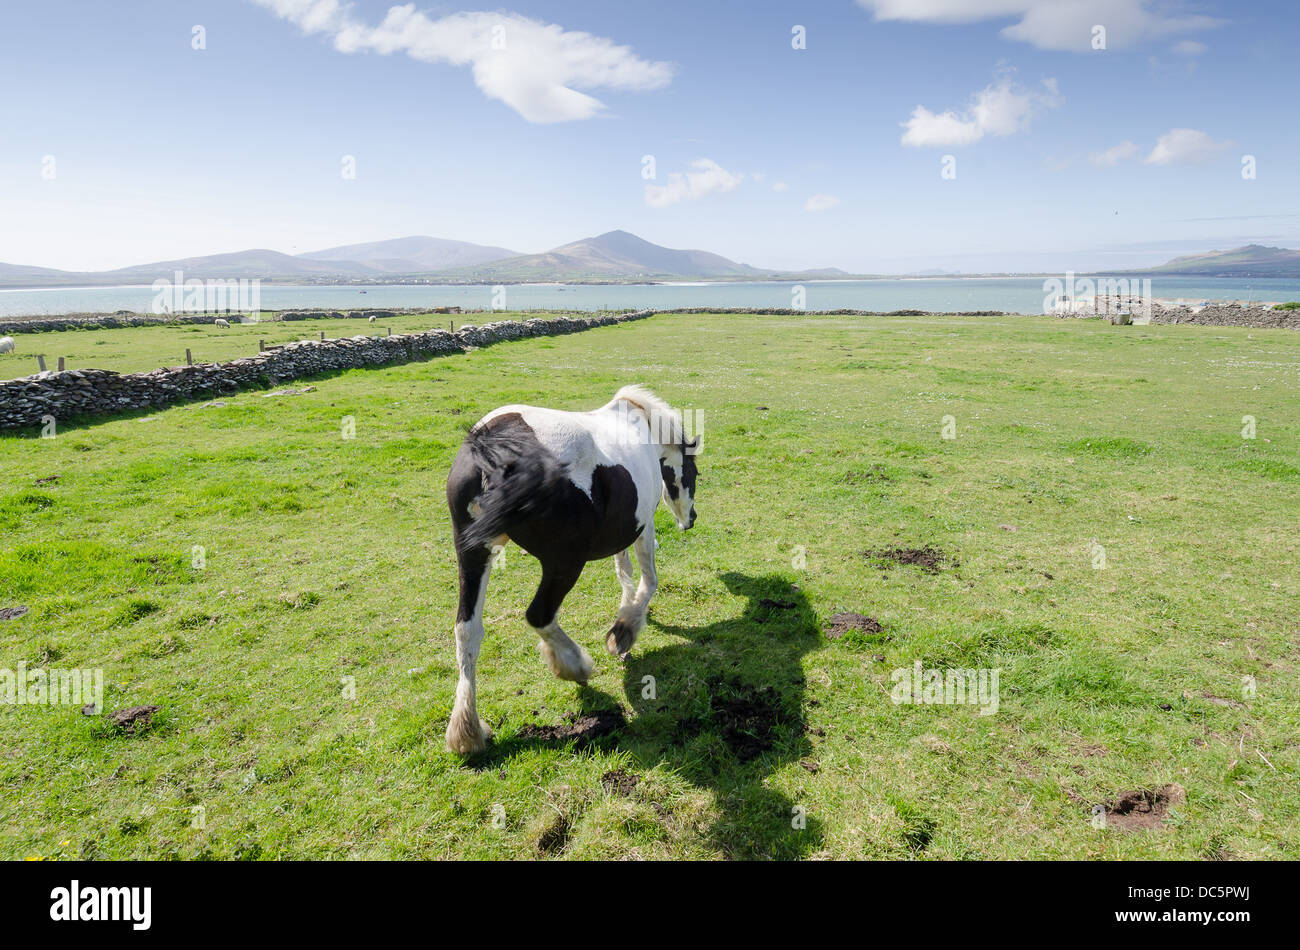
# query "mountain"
(411, 255)
(23, 271)
(1253, 260)
(614, 254)
(254, 263)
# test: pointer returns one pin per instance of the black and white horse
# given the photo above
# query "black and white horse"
(568, 488)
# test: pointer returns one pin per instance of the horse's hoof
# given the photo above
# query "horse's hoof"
(620, 639)
(463, 740)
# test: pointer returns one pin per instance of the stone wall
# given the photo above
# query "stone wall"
(1228, 315)
(1262, 316)
(88, 392)
(127, 318)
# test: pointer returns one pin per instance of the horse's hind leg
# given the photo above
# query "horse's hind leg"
(636, 600)
(566, 659)
(466, 733)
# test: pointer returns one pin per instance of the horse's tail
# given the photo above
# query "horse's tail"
(519, 477)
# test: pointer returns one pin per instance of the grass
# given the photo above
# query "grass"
(140, 349)
(304, 666)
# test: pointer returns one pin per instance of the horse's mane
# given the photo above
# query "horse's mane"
(669, 419)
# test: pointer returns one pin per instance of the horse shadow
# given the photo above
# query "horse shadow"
(724, 709)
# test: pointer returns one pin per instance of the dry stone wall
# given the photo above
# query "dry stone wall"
(75, 393)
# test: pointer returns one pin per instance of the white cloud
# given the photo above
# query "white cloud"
(1114, 155)
(780, 186)
(1189, 48)
(1003, 108)
(1054, 24)
(1181, 146)
(536, 68)
(705, 177)
(821, 203)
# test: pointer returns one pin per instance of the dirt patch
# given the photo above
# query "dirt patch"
(48, 480)
(289, 392)
(133, 720)
(619, 782)
(1143, 809)
(12, 613)
(876, 473)
(928, 559)
(747, 721)
(843, 623)
(556, 836)
(578, 728)
(1220, 701)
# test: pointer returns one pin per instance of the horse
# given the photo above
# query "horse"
(568, 488)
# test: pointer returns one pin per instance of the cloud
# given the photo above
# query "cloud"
(537, 69)
(821, 203)
(1003, 108)
(1114, 155)
(780, 186)
(1189, 48)
(1184, 146)
(705, 178)
(1054, 24)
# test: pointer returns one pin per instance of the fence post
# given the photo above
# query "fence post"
(61, 364)
(189, 359)
(322, 336)
(261, 345)
(40, 361)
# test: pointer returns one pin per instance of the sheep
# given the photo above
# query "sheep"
(6, 344)
(222, 323)
(372, 319)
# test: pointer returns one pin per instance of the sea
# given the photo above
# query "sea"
(938, 294)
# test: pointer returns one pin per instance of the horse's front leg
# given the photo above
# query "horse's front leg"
(632, 611)
(566, 659)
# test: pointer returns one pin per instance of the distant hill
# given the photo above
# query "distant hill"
(1253, 260)
(410, 255)
(239, 264)
(612, 256)
(20, 271)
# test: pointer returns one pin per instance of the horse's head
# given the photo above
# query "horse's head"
(677, 464)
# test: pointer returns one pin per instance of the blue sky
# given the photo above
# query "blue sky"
(1065, 156)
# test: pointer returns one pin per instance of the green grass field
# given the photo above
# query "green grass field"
(305, 674)
(140, 349)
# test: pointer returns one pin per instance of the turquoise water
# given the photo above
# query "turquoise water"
(1012, 294)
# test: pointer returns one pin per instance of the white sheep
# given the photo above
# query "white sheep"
(6, 344)
(221, 323)
(372, 319)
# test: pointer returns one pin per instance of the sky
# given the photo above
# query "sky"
(877, 136)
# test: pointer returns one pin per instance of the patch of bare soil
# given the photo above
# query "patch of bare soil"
(928, 559)
(619, 782)
(842, 623)
(876, 473)
(578, 728)
(1143, 809)
(12, 613)
(556, 837)
(133, 720)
